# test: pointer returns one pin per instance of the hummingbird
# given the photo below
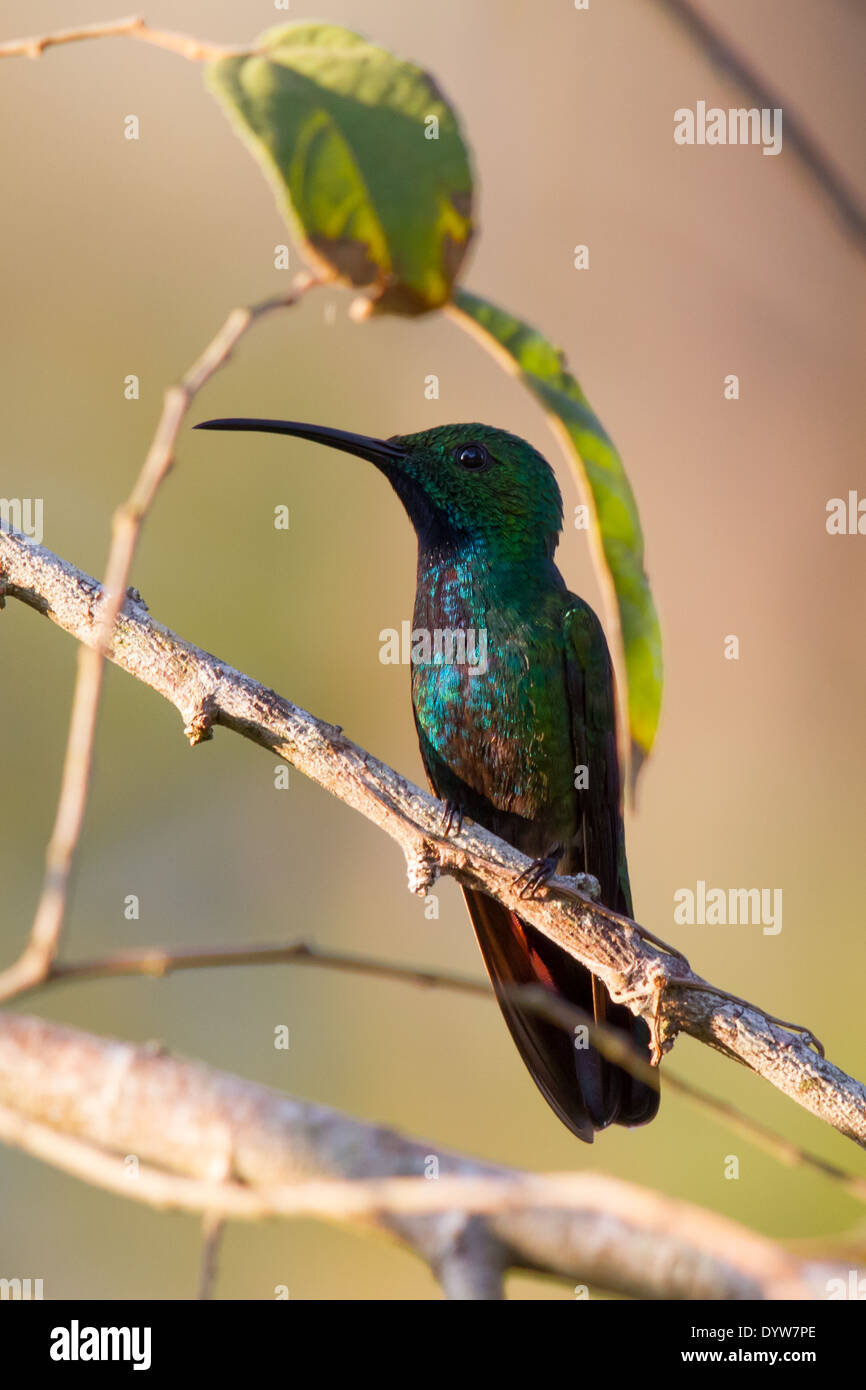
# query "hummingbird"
(524, 743)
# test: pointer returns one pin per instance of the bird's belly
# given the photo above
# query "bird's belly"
(500, 740)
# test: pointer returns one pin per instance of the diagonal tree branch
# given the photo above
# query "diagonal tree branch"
(126, 528)
(209, 1142)
(724, 55)
(209, 693)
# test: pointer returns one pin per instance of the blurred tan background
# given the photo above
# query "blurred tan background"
(123, 257)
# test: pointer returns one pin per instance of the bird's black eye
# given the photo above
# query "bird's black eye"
(472, 456)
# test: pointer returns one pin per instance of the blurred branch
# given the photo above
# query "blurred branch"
(161, 961)
(44, 943)
(212, 1226)
(650, 981)
(727, 59)
(206, 1141)
(133, 28)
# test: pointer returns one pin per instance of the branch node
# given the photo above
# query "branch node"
(663, 1031)
(646, 985)
(577, 886)
(422, 868)
(199, 728)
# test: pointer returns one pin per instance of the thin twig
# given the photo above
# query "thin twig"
(616, 1049)
(651, 982)
(212, 1226)
(44, 943)
(195, 50)
(723, 55)
(159, 961)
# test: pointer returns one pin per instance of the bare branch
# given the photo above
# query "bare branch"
(723, 54)
(212, 1225)
(209, 693)
(158, 961)
(133, 28)
(228, 1146)
(128, 520)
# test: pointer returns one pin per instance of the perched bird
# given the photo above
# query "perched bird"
(523, 741)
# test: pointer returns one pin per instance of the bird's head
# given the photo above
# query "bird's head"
(472, 483)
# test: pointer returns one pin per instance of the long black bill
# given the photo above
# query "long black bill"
(378, 451)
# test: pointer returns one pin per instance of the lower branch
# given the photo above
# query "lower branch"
(650, 981)
(206, 1141)
(158, 962)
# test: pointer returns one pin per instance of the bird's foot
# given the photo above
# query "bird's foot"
(806, 1033)
(539, 871)
(585, 886)
(452, 816)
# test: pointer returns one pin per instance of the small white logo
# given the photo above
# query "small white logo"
(738, 126)
(22, 514)
(77, 1343)
(444, 646)
(714, 907)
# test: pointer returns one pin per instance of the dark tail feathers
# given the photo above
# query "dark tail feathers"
(586, 1092)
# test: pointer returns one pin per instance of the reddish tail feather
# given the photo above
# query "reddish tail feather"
(586, 1092)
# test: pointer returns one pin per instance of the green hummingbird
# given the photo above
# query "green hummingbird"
(523, 741)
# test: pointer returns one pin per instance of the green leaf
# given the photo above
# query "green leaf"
(342, 129)
(542, 368)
